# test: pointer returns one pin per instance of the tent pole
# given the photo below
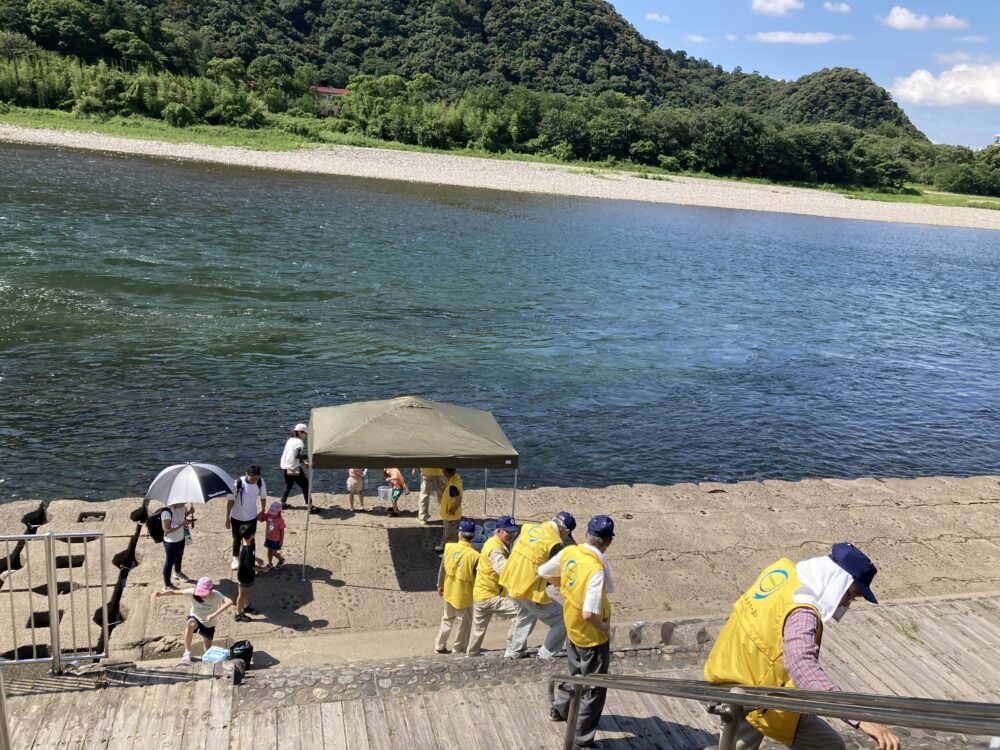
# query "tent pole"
(513, 499)
(486, 474)
(309, 513)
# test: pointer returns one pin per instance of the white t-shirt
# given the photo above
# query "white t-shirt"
(290, 456)
(175, 517)
(202, 610)
(246, 502)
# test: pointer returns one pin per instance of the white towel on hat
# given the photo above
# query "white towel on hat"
(823, 584)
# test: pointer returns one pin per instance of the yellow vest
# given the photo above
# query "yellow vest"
(432, 472)
(750, 646)
(576, 565)
(446, 499)
(532, 548)
(487, 579)
(459, 573)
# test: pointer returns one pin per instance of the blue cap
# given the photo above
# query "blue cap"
(567, 519)
(466, 527)
(506, 523)
(857, 564)
(601, 526)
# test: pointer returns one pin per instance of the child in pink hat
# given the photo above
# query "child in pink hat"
(274, 534)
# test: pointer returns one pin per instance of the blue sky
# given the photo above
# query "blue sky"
(940, 59)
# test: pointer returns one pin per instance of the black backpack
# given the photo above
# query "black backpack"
(154, 527)
(242, 650)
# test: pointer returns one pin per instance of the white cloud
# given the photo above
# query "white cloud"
(731, 37)
(657, 17)
(904, 19)
(972, 39)
(960, 85)
(695, 38)
(837, 7)
(776, 7)
(951, 58)
(795, 37)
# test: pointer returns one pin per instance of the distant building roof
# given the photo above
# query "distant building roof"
(328, 90)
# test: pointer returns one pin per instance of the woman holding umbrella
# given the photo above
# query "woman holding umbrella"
(176, 518)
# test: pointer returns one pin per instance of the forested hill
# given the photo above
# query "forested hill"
(567, 46)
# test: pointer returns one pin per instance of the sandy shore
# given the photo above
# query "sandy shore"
(522, 177)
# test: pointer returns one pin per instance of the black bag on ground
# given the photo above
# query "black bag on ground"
(154, 527)
(242, 650)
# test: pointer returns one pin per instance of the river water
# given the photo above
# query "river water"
(154, 312)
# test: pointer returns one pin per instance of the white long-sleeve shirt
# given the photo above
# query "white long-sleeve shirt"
(595, 586)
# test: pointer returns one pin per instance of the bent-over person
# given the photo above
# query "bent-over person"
(488, 597)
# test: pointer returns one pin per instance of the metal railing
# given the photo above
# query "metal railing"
(4, 725)
(732, 702)
(19, 582)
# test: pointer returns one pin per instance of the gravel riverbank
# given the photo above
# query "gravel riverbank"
(521, 177)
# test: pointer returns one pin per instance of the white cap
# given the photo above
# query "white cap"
(301, 428)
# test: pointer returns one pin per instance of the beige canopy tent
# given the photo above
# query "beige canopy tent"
(408, 432)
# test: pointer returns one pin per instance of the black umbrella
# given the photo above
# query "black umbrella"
(189, 483)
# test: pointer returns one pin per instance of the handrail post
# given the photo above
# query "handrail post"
(105, 627)
(732, 719)
(50, 581)
(4, 726)
(571, 718)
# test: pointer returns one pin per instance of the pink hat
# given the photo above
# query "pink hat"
(204, 586)
(274, 509)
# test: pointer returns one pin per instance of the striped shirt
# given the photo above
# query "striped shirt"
(801, 653)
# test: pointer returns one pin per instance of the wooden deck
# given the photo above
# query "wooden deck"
(944, 649)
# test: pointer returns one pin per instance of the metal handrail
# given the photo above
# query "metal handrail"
(963, 717)
(4, 725)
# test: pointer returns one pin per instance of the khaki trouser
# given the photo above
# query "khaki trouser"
(429, 486)
(464, 617)
(482, 613)
(813, 734)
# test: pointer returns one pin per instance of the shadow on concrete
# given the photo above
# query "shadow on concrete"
(279, 594)
(263, 660)
(652, 731)
(414, 560)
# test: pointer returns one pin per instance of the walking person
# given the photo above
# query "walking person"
(431, 483)
(246, 574)
(294, 464)
(456, 578)
(773, 638)
(584, 579)
(206, 605)
(176, 518)
(274, 535)
(241, 510)
(451, 508)
(488, 597)
(536, 544)
(395, 479)
(356, 486)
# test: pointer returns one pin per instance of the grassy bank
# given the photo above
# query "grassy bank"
(283, 137)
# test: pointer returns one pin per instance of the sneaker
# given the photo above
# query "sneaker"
(393, 513)
(439, 548)
(184, 578)
(281, 561)
(554, 715)
(186, 658)
(242, 617)
(442, 651)
(235, 564)
(516, 655)
(170, 587)
(422, 521)
(251, 611)
(286, 506)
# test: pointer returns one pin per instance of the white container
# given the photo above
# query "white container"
(385, 494)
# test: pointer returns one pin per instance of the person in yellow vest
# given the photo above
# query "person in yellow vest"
(456, 578)
(451, 508)
(488, 597)
(582, 574)
(772, 639)
(431, 483)
(536, 544)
